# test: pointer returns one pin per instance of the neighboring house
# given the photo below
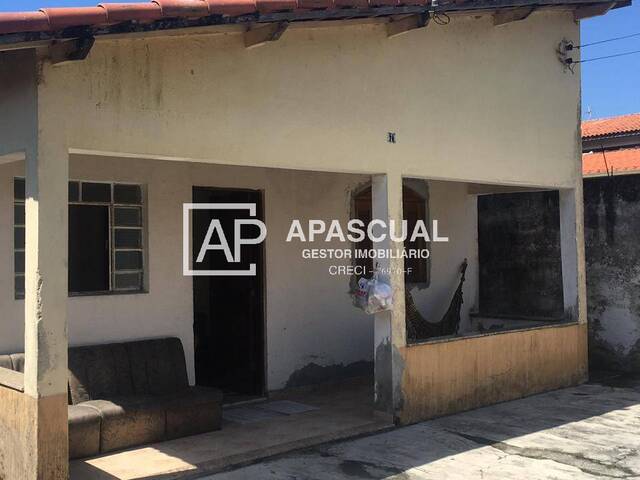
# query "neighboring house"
(611, 167)
(114, 117)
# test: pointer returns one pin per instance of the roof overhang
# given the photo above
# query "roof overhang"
(49, 26)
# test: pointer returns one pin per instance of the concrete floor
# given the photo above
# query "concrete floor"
(344, 410)
(590, 431)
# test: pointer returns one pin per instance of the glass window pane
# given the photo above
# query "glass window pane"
(127, 217)
(18, 214)
(74, 191)
(88, 248)
(128, 238)
(18, 188)
(96, 192)
(18, 237)
(128, 281)
(19, 286)
(127, 194)
(128, 260)
(18, 262)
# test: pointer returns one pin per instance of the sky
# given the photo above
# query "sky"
(609, 87)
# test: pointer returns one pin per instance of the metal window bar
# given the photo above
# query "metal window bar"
(140, 287)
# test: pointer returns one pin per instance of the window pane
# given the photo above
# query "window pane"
(18, 237)
(19, 286)
(128, 238)
(88, 248)
(18, 214)
(128, 217)
(18, 188)
(74, 191)
(18, 259)
(96, 192)
(128, 260)
(127, 194)
(128, 281)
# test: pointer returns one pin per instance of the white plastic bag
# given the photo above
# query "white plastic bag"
(373, 295)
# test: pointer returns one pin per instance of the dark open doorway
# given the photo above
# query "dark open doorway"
(228, 310)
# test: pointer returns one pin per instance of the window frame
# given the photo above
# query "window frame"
(112, 205)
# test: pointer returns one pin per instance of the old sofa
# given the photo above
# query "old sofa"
(126, 394)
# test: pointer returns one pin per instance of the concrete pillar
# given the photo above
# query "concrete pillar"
(46, 237)
(572, 252)
(390, 328)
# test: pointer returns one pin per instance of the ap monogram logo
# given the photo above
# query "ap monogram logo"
(217, 233)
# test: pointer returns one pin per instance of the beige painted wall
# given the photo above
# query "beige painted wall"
(457, 97)
(457, 215)
(445, 377)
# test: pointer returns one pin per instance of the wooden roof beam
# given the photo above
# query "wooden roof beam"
(261, 35)
(402, 25)
(502, 17)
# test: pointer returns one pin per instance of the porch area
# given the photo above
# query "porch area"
(250, 431)
(290, 334)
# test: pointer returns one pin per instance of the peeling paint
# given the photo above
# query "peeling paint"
(383, 377)
(313, 374)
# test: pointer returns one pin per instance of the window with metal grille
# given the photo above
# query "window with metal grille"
(106, 238)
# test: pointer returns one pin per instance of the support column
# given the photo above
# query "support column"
(572, 252)
(390, 328)
(46, 234)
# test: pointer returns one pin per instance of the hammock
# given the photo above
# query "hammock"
(418, 328)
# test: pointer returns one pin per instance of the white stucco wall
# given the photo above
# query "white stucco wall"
(457, 215)
(309, 315)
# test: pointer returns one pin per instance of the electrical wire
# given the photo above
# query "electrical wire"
(608, 40)
(441, 18)
(605, 57)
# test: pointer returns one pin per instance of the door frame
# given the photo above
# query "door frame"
(260, 214)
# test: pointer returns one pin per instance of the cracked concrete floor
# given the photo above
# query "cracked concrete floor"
(590, 431)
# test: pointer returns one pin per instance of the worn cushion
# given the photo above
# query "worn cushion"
(129, 421)
(193, 411)
(5, 362)
(84, 431)
(157, 366)
(117, 370)
(99, 371)
(18, 362)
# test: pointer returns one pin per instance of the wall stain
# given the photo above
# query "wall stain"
(312, 373)
(612, 224)
(520, 255)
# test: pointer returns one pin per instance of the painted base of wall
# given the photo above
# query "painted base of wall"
(451, 376)
(33, 443)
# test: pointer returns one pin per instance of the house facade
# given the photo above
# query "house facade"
(116, 117)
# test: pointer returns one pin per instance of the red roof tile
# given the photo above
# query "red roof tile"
(619, 161)
(611, 126)
(54, 19)
(123, 12)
